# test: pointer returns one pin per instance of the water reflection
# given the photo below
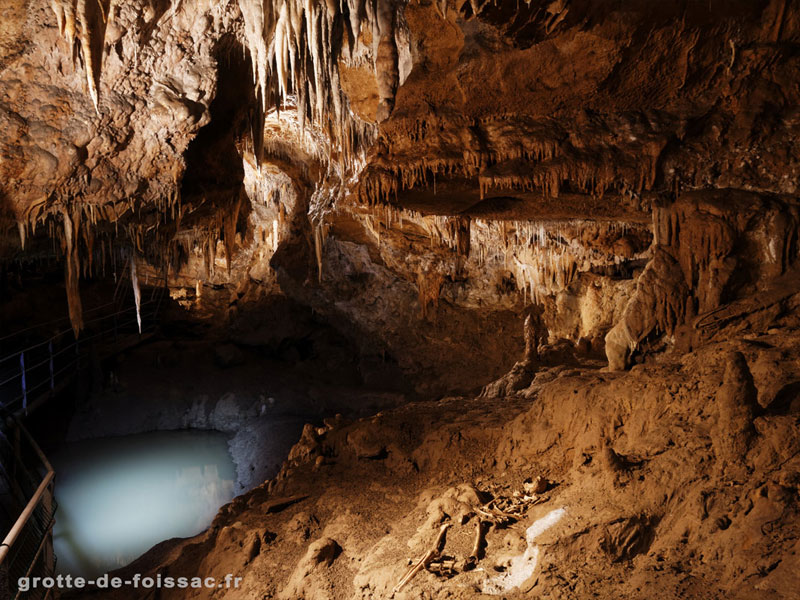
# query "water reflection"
(120, 496)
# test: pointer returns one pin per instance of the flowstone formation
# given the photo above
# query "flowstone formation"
(572, 222)
(474, 158)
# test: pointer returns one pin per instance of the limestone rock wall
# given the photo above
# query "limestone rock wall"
(448, 157)
(712, 250)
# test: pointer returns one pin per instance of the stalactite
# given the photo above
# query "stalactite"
(295, 51)
(429, 286)
(320, 234)
(137, 294)
(229, 232)
(386, 68)
(85, 21)
(537, 161)
(84, 36)
(87, 234)
(543, 257)
(21, 228)
(459, 231)
(71, 225)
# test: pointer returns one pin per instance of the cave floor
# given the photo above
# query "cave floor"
(657, 503)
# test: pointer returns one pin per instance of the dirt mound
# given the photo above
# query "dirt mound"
(668, 481)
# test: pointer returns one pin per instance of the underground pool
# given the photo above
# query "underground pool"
(117, 497)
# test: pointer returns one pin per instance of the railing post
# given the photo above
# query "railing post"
(49, 555)
(24, 383)
(52, 370)
(38, 511)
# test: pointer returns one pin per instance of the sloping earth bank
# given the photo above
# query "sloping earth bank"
(673, 480)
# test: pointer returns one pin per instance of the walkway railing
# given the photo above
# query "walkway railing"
(30, 375)
(27, 549)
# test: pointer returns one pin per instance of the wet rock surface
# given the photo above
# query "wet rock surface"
(430, 253)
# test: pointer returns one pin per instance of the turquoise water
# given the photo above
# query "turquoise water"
(117, 497)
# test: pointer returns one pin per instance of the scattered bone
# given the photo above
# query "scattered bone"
(538, 486)
(443, 567)
(502, 511)
(425, 561)
(477, 546)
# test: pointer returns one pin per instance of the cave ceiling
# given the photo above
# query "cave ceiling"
(202, 126)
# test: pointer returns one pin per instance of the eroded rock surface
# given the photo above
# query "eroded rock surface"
(413, 171)
(586, 209)
(671, 484)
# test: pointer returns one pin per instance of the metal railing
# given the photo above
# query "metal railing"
(26, 480)
(30, 375)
